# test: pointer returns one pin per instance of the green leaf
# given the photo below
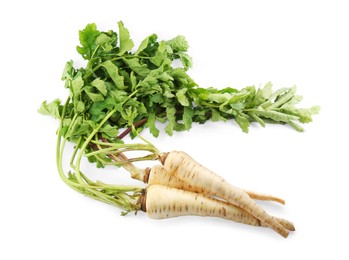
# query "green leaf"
(95, 97)
(267, 90)
(152, 47)
(274, 95)
(257, 118)
(114, 75)
(296, 126)
(218, 98)
(200, 115)
(99, 84)
(240, 96)
(293, 101)
(102, 39)
(145, 43)
(80, 106)
(140, 69)
(52, 109)
(216, 116)
(87, 39)
(151, 125)
(156, 98)
(186, 60)
(68, 71)
(188, 117)
(165, 77)
(282, 99)
(126, 44)
(107, 42)
(274, 115)
(243, 122)
(80, 127)
(260, 96)
(168, 94)
(77, 85)
(171, 117)
(237, 106)
(129, 114)
(181, 78)
(98, 109)
(133, 79)
(178, 44)
(149, 81)
(109, 131)
(304, 114)
(160, 55)
(182, 98)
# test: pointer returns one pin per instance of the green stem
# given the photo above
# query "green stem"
(119, 188)
(150, 157)
(122, 149)
(85, 186)
(87, 141)
(60, 147)
(76, 148)
(146, 141)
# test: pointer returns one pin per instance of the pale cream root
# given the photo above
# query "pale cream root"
(159, 176)
(261, 196)
(165, 202)
(183, 167)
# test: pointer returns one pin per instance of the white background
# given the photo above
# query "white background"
(233, 43)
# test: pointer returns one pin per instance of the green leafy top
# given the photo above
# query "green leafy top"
(147, 82)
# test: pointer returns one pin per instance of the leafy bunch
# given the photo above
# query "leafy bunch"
(152, 84)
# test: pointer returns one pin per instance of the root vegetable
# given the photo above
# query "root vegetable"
(183, 167)
(262, 196)
(159, 175)
(161, 202)
(166, 202)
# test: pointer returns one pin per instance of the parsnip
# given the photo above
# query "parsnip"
(166, 202)
(161, 202)
(159, 175)
(183, 167)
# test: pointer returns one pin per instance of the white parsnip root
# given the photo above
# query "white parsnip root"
(165, 202)
(159, 175)
(262, 196)
(187, 174)
(187, 169)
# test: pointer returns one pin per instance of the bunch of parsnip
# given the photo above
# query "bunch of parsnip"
(121, 89)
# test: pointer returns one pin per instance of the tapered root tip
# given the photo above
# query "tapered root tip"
(281, 201)
(285, 235)
(287, 224)
(277, 199)
(290, 227)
